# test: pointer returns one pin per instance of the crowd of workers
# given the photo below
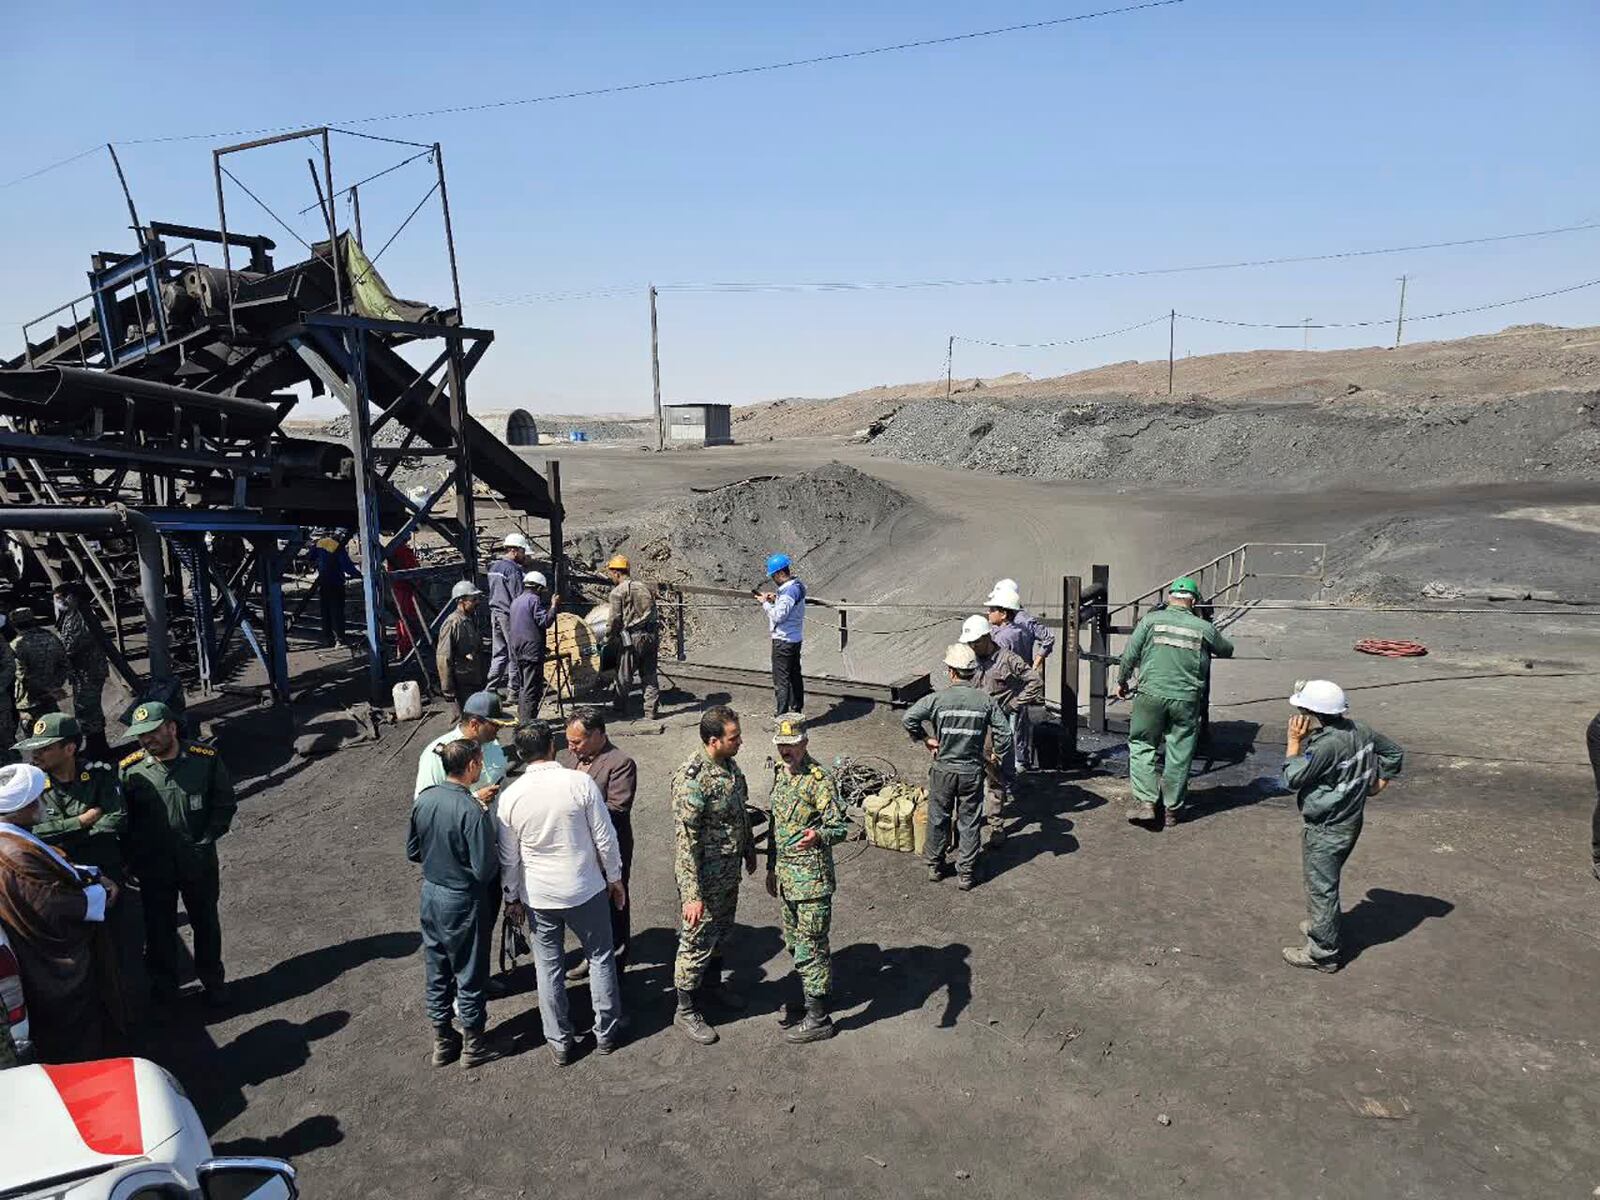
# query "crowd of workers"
(549, 841)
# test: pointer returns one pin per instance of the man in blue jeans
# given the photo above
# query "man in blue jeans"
(786, 615)
(561, 868)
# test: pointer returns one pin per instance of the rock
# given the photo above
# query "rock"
(1163, 1119)
(968, 1175)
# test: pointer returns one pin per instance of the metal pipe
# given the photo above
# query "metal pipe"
(51, 385)
(152, 590)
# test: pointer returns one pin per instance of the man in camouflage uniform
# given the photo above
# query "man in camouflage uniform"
(712, 840)
(1014, 685)
(180, 801)
(805, 824)
(41, 668)
(87, 668)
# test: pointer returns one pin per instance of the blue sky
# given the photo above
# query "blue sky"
(1208, 131)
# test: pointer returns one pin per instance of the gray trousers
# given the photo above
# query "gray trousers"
(958, 795)
(502, 671)
(591, 921)
(455, 953)
(1324, 849)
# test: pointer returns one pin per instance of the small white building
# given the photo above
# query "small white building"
(699, 424)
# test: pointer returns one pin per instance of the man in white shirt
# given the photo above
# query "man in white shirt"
(482, 718)
(561, 867)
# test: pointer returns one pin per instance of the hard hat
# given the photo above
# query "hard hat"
(778, 562)
(974, 628)
(961, 657)
(1184, 587)
(1009, 585)
(517, 540)
(619, 562)
(1004, 597)
(464, 589)
(536, 578)
(1321, 696)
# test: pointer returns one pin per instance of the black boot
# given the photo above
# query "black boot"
(690, 1020)
(716, 990)
(816, 1027)
(793, 1009)
(446, 1045)
(477, 1049)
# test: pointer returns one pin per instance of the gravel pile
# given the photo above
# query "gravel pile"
(1362, 440)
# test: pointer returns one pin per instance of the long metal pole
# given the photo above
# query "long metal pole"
(222, 226)
(333, 241)
(1400, 320)
(1172, 345)
(449, 230)
(949, 364)
(655, 369)
(355, 209)
(133, 213)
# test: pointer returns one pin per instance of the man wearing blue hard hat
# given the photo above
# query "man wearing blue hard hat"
(786, 614)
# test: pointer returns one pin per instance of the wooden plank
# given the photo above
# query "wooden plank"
(901, 692)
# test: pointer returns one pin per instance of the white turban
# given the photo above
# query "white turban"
(20, 785)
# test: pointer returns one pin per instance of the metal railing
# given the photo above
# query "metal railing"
(92, 298)
(1223, 581)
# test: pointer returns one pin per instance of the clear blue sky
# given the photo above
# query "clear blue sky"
(1208, 131)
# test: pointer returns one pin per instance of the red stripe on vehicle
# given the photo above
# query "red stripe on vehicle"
(103, 1100)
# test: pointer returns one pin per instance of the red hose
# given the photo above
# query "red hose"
(1388, 648)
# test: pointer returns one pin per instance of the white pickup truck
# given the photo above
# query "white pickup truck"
(117, 1129)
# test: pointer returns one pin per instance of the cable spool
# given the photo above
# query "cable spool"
(571, 642)
(1391, 648)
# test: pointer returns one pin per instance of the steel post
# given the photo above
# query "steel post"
(1099, 646)
(369, 529)
(1071, 599)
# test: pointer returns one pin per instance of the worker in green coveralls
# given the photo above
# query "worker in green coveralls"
(806, 823)
(1171, 652)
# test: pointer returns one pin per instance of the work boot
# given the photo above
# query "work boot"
(965, 882)
(1141, 812)
(1169, 818)
(561, 1053)
(935, 871)
(689, 1019)
(716, 989)
(816, 1026)
(477, 1049)
(446, 1045)
(1299, 956)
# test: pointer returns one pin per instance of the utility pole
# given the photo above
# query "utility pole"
(949, 363)
(1400, 320)
(655, 369)
(1306, 323)
(1172, 343)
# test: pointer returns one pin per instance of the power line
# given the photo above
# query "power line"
(643, 85)
(1093, 337)
(1454, 312)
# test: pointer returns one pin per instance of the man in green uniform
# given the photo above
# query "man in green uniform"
(180, 801)
(1171, 650)
(8, 687)
(87, 667)
(712, 836)
(805, 823)
(1333, 764)
(962, 717)
(41, 668)
(83, 810)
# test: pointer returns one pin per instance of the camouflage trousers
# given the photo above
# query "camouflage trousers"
(805, 936)
(719, 888)
(86, 706)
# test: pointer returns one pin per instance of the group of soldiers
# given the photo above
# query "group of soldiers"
(39, 664)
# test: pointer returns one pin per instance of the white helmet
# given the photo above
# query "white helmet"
(535, 578)
(960, 657)
(1004, 597)
(517, 540)
(973, 628)
(1321, 696)
(1009, 585)
(463, 589)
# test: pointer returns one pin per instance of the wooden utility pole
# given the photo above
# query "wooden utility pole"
(1400, 320)
(1172, 343)
(1305, 325)
(949, 363)
(655, 369)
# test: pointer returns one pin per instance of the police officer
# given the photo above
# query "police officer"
(1171, 650)
(84, 814)
(180, 801)
(41, 668)
(709, 796)
(806, 822)
(87, 668)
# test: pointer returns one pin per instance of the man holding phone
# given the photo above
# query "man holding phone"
(482, 718)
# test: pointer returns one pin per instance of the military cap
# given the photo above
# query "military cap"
(149, 717)
(790, 729)
(48, 729)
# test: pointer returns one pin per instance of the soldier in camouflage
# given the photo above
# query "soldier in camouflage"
(806, 823)
(41, 668)
(713, 840)
(87, 668)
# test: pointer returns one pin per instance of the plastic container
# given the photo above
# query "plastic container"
(407, 700)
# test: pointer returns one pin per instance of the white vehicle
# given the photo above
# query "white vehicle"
(13, 1008)
(117, 1129)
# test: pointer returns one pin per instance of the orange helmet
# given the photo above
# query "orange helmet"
(619, 562)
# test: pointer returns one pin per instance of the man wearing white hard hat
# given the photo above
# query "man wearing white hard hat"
(963, 719)
(54, 912)
(505, 585)
(531, 615)
(1043, 641)
(1334, 764)
(458, 651)
(1013, 685)
(1011, 632)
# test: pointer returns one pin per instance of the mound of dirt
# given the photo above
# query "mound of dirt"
(1348, 440)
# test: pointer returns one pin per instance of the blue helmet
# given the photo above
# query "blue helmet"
(776, 563)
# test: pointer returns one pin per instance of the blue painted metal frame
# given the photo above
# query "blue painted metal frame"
(105, 283)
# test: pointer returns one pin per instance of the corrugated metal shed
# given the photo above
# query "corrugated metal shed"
(699, 424)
